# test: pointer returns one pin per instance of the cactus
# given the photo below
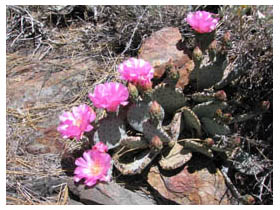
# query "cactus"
(151, 133)
(212, 68)
(163, 121)
(163, 93)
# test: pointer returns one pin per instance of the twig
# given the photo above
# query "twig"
(48, 50)
(232, 188)
(132, 35)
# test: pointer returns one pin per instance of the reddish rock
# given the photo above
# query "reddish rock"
(31, 82)
(161, 48)
(199, 186)
(49, 142)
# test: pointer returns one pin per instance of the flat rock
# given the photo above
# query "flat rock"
(194, 184)
(49, 142)
(32, 83)
(109, 193)
(161, 48)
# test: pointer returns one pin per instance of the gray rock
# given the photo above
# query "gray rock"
(108, 194)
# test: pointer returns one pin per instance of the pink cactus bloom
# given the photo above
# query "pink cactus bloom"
(101, 147)
(136, 71)
(94, 166)
(109, 96)
(202, 21)
(74, 124)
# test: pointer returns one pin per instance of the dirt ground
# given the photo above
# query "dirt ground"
(55, 56)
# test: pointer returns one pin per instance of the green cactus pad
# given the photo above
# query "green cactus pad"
(213, 128)
(175, 157)
(169, 98)
(174, 128)
(232, 72)
(195, 146)
(203, 97)
(110, 131)
(208, 109)
(208, 73)
(138, 114)
(140, 162)
(191, 121)
(134, 142)
(149, 131)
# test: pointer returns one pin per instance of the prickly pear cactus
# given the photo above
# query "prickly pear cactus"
(166, 122)
(161, 122)
(212, 66)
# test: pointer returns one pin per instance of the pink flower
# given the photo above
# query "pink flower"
(202, 21)
(75, 123)
(109, 96)
(94, 166)
(136, 71)
(101, 147)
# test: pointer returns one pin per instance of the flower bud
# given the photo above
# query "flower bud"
(133, 90)
(264, 106)
(148, 86)
(171, 143)
(197, 54)
(156, 143)
(227, 37)
(227, 117)
(173, 74)
(249, 199)
(209, 142)
(237, 140)
(219, 113)
(155, 108)
(221, 95)
(213, 45)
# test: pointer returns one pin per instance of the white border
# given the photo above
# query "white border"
(276, 84)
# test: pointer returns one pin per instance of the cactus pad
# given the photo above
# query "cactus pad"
(195, 146)
(169, 98)
(134, 142)
(150, 131)
(213, 128)
(140, 113)
(140, 162)
(208, 109)
(203, 97)
(208, 73)
(110, 131)
(191, 121)
(174, 128)
(176, 157)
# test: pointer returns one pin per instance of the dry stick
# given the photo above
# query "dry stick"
(262, 185)
(132, 35)
(232, 188)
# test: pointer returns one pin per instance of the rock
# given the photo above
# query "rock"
(50, 142)
(109, 193)
(46, 186)
(194, 184)
(161, 48)
(74, 202)
(34, 83)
